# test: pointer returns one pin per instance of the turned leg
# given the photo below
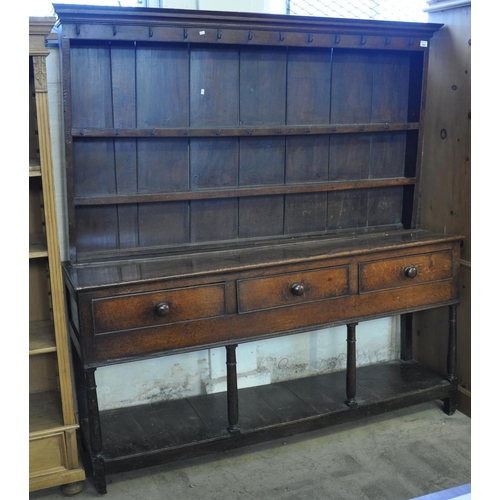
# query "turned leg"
(351, 366)
(450, 404)
(95, 440)
(406, 336)
(452, 342)
(232, 390)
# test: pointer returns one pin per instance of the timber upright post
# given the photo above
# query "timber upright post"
(232, 390)
(351, 366)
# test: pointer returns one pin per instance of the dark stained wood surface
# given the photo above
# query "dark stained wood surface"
(148, 341)
(231, 27)
(86, 277)
(156, 123)
(311, 402)
(234, 177)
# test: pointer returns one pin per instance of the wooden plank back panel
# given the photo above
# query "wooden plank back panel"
(261, 161)
(95, 172)
(163, 224)
(214, 220)
(260, 217)
(387, 154)
(145, 86)
(306, 159)
(347, 209)
(391, 71)
(214, 84)
(162, 74)
(263, 86)
(123, 84)
(352, 75)
(308, 86)
(214, 163)
(91, 100)
(96, 228)
(162, 165)
(349, 156)
(305, 213)
(384, 206)
(124, 93)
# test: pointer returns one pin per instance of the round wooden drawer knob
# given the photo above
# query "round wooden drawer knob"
(162, 309)
(410, 271)
(297, 289)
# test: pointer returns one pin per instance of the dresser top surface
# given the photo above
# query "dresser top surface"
(130, 271)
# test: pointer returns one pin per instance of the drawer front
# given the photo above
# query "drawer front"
(293, 288)
(405, 271)
(158, 308)
(47, 453)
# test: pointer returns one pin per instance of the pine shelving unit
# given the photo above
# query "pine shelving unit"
(54, 458)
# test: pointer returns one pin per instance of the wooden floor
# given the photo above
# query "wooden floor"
(189, 427)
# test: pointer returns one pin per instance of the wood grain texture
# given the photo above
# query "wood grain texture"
(175, 123)
(133, 311)
(52, 421)
(267, 412)
(276, 291)
(446, 181)
(392, 272)
(261, 191)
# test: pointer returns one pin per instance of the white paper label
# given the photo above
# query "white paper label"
(202, 91)
(423, 43)
(202, 32)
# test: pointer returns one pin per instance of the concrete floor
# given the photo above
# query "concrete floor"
(396, 456)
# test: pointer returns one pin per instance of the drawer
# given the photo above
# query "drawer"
(142, 310)
(292, 288)
(47, 453)
(405, 271)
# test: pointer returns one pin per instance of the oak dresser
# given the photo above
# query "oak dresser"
(234, 177)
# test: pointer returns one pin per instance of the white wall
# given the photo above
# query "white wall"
(202, 372)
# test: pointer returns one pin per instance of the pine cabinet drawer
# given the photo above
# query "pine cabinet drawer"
(158, 308)
(47, 453)
(405, 271)
(292, 288)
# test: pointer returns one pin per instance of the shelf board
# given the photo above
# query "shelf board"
(144, 435)
(38, 246)
(35, 168)
(242, 131)
(45, 412)
(238, 191)
(42, 337)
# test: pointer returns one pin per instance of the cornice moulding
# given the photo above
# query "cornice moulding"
(437, 5)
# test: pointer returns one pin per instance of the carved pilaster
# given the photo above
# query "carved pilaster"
(40, 73)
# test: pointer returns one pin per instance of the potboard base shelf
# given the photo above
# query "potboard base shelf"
(151, 434)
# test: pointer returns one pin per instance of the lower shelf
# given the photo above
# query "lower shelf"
(146, 435)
